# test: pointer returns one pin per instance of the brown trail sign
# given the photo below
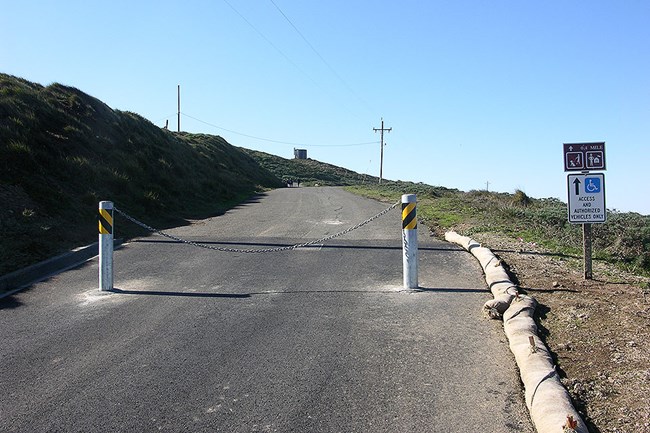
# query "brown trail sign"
(584, 156)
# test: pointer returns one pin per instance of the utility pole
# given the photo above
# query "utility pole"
(179, 108)
(381, 159)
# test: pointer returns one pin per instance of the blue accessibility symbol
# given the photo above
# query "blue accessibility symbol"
(592, 185)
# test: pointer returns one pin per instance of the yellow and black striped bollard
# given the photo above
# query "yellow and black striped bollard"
(105, 222)
(410, 241)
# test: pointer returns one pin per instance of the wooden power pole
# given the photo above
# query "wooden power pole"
(381, 158)
(179, 108)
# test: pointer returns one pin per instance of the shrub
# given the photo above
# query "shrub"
(521, 199)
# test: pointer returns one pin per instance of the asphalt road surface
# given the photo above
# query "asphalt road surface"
(318, 339)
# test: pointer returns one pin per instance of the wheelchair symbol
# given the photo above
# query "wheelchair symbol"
(592, 185)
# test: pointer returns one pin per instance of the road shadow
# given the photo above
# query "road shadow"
(179, 294)
(235, 244)
(8, 299)
(290, 292)
(9, 302)
(371, 291)
(255, 199)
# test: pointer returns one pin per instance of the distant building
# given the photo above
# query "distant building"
(300, 153)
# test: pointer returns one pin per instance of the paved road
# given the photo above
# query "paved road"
(318, 339)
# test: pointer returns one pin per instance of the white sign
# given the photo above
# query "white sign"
(586, 198)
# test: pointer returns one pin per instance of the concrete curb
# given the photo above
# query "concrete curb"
(23, 278)
(548, 402)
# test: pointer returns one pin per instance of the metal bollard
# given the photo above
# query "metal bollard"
(105, 218)
(410, 241)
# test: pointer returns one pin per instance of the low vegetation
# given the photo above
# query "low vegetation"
(623, 241)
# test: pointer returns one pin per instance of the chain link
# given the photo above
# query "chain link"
(260, 250)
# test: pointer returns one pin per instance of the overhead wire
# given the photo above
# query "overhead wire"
(295, 65)
(325, 62)
(286, 57)
(163, 118)
(277, 141)
(271, 43)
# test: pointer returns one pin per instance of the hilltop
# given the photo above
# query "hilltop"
(309, 171)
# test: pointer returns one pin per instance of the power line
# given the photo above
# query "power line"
(321, 57)
(275, 47)
(278, 141)
(271, 43)
(162, 118)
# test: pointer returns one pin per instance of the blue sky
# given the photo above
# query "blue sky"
(475, 91)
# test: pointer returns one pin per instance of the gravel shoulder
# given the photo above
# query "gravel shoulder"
(598, 331)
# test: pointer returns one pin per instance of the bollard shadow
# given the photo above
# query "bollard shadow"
(178, 294)
(449, 290)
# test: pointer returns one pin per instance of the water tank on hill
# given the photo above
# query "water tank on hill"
(300, 153)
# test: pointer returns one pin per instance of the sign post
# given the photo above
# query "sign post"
(586, 251)
(585, 191)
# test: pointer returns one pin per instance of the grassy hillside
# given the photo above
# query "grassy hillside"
(62, 151)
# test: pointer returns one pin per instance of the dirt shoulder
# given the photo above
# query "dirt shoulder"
(598, 331)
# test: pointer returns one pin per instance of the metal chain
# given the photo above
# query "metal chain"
(254, 251)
